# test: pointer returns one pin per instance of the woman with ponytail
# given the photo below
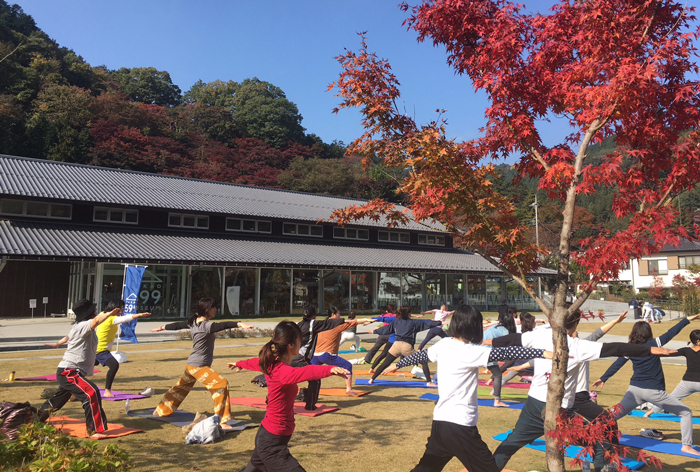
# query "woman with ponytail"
(275, 361)
(198, 366)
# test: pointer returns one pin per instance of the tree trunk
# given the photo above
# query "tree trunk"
(555, 392)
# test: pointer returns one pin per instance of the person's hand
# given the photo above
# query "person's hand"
(487, 342)
(598, 384)
(339, 371)
(694, 317)
(142, 315)
(662, 351)
(245, 325)
(621, 318)
(53, 345)
(365, 321)
(391, 369)
(234, 367)
(158, 329)
(539, 321)
(115, 312)
(548, 355)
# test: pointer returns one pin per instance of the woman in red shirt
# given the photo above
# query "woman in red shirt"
(271, 442)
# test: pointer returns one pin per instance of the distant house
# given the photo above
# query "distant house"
(67, 230)
(671, 261)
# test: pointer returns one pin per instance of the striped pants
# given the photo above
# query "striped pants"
(216, 384)
(72, 382)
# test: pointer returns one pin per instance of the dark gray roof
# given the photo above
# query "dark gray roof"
(24, 239)
(24, 177)
(685, 245)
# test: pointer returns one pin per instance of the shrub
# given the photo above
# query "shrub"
(41, 447)
(691, 302)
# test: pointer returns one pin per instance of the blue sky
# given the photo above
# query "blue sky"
(290, 44)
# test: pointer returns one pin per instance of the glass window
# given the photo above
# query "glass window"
(233, 224)
(412, 290)
(404, 237)
(362, 291)
(116, 215)
(289, 228)
(203, 222)
(658, 267)
(12, 207)
(131, 216)
(383, 236)
(239, 296)
(206, 282)
(37, 209)
(476, 291)
(422, 239)
(264, 227)
(174, 219)
(336, 286)
(275, 287)
(394, 237)
(303, 230)
(317, 230)
(434, 290)
(389, 289)
(60, 211)
(249, 225)
(338, 232)
(188, 221)
(101, 214)
(440, 240)
(455, 290)
(494, 291)
(306, 290)
(362, 234)
(351, 233)
(687, 261)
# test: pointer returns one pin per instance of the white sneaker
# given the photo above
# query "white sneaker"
(352, 346)
(148, 392)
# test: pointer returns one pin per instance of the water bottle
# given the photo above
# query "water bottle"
(127, 406)
(586, 466)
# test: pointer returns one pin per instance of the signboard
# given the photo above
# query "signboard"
(32, 303)
(45, 301)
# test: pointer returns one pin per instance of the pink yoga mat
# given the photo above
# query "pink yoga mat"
(120, 396)
(508, 385)
(43, 378)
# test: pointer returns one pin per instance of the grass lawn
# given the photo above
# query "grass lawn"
(383, 431)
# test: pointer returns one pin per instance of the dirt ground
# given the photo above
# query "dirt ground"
(383, 431)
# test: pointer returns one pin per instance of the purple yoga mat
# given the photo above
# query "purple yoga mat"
(120, 396)
(43, 378)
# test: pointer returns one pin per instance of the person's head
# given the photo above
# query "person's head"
(467, 324)
(506, 320)
(404, 312)
(309, 312)
(352, 315)
(513, 311)
(113, 304)
(571, 323)
(286, 340)
(443, 307)
(84, 310)
(391, 309)
(695, 337)
(206, 308)
(527, 322)
(641, 333)
(504, 301)
(333, 312)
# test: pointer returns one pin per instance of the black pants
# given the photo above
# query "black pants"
(435, 331)
(72, 382)
(312, 391)
(381, 340)
(272, 454)
(529, 427)
(106, 359)
(584, 406)
(448, 440)
(390, 358)
(383, 355)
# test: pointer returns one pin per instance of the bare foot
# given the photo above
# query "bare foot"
(352, 393)
(500, 404)
(370, 381)
(489, 382)
(648, 413)
(108, 394)
(103, 436)
(431, 384)
(371, 371)
(226, 427)
(689, 450)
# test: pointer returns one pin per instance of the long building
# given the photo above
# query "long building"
(66, 231)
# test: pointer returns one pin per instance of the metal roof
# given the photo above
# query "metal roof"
(28, 239)
(25, 177)
(685, 245)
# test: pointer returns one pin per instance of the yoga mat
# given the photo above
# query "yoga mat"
(654, 445)
(571, 451)
(298, 406)
(120, 396)
(482, 383)
(76, 428)
(181, 418)
(397, 373)
(513, 396)
(340, 392)
(661, 416)
(480, 402)
(393, 383)
(350, 351)
(44, 378)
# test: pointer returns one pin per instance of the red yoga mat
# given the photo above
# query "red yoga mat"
(298, 406)
(76, 428)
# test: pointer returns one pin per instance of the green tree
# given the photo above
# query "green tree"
(262, 110)
(326, 176)
(217, 93)
(148, 85)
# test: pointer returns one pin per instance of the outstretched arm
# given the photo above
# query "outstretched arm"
(60, 343)
(673, 332)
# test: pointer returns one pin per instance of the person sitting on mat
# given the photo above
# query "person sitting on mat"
(690, 383)
(454, 429)
(79, 363)
(438, 315)
(275, 361)
(199, 363)
(328, 345)
(405, 330)
(648, 383)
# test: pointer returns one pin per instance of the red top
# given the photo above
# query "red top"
(281, 391)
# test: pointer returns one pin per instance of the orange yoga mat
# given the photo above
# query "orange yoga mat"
(76, 428)
(398, 373)
(340, 392)
(298, 406)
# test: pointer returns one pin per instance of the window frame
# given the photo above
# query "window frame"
(309, 233)
(657, 271)
(49, 207)
(398, 235)
(182, 216)
(242, 223)
(437, 239)
(340, 232)
(114, 210)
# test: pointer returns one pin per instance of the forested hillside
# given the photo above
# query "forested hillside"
(54, 105)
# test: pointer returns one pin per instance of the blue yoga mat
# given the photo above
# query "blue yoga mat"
(350, 351)
(571, 451)
(480, 402)
(661, 416)
(393, 383)
(654, 445)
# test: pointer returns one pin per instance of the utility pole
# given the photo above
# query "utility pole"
(537, 241)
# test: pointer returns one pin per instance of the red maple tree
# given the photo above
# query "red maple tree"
(613, 68)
